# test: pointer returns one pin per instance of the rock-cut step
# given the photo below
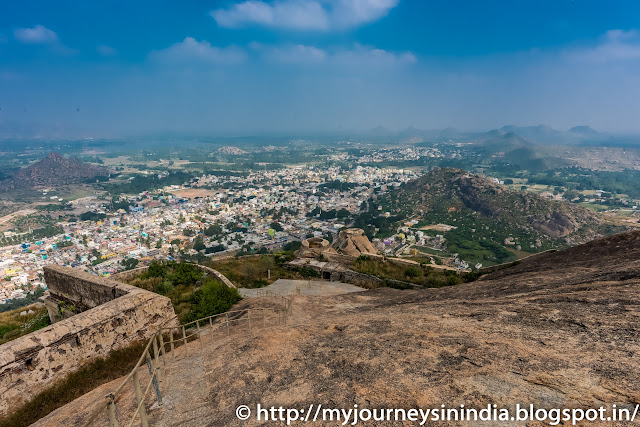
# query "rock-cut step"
(186, 391)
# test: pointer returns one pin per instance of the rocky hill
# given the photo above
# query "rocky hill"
(489, 211)
(559, 330)
(54, 170)
(353, 242)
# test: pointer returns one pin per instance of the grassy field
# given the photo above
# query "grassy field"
(595, 207)
(13, 325)
(430, 251)
(76, 192)
(252, 271)
(420, 275)
(519, 254)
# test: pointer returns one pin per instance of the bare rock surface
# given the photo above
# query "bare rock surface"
(354, 242)
(561, 330)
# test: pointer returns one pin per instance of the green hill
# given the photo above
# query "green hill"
(489, 216)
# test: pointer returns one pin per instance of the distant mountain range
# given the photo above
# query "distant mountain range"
(541, 134)
(54, 170)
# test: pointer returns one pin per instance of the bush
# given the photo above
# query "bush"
(260, 283)
(164, 287)
(156, 269)
(308, 272)
(292, 246)
(413, 272)
(212, 298)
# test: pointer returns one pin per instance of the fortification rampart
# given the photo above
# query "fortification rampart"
(111, 315)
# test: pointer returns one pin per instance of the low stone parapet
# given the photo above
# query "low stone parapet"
(123, 315)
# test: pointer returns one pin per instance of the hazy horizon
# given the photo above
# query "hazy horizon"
(241, 68)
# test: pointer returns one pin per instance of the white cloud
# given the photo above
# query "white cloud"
(191, 50)
(370, 56)
(615, 45)
(105, 50)
(352, 13)
(318, 15)
(292, 54)
(36, 35)
(358, 56)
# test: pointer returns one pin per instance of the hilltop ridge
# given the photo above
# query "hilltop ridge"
(54, 170)
(472, 202)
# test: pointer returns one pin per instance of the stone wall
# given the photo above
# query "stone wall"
(73, 291)
(123, 314)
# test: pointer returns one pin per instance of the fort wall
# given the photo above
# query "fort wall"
(110, 315)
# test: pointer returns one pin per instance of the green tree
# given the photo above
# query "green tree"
(343, 213)
(212, 298)
(199, 244)
(213, 230)
(276, 226)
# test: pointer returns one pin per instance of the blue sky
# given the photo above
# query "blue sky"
(245, 67)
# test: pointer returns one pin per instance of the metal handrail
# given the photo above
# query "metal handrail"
(157, 367)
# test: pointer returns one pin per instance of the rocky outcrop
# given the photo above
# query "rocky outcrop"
(354, 242)
(314, 247)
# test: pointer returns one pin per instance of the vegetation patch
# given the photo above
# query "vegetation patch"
(419, 274)
(193, 294)
(31, 298)
(255, 271)
(13, 324)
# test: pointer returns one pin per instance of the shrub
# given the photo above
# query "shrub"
(156, 269)
(308, 272)
(164, 287)
(212, 298)
(260, 283)
(292, 246)
(413, 272)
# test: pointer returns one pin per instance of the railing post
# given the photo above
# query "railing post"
(264, 319)
(249, 318)
(184, 338)
(227, 316)
(111, 410)
(211, 326)
(154, 378)
(140, 400)
(162, 350)
(173, 354)
(199, 336)
(156, 355)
